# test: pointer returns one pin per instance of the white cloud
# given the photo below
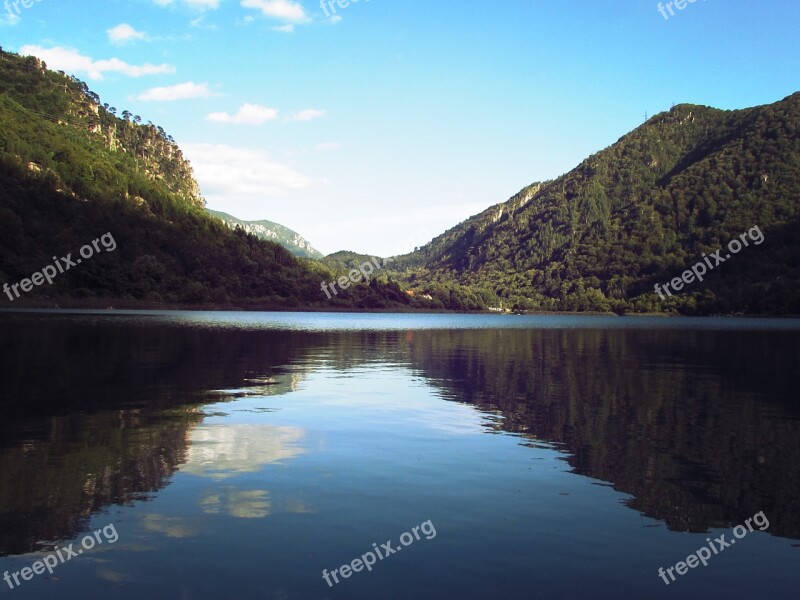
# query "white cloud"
(335, 19)
(307, 114)
(180, 91)
(228, 172)
(196, 4)
(72, 61)
(328, 146)
(284, 28)
(248, 114)
(123, 33)
(284, 10)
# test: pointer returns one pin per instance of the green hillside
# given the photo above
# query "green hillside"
(71, 170)
(641, 213)
(600, 238)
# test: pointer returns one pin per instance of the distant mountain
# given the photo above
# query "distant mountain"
(637, 214)
(273, 232)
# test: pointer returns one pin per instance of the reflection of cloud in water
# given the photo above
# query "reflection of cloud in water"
(298, 507)
(249, 504)
(175, 527)
(113, 576)
(223, 451)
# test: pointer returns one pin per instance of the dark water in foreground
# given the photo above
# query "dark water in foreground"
(238, 455)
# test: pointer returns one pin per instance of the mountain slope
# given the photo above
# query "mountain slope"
(640, 213)
(72, 171)
(273, 232)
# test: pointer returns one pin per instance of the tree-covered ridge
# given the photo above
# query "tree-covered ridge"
(70, 171)
(639, 213)
(34, 93)
(599, 238)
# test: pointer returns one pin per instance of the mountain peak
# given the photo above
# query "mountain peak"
(273, 232)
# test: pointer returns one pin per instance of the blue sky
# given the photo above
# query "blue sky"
(384, 123)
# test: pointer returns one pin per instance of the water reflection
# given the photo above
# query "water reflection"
(51, 484)
(699, 427)
(225, 450)
(174, 527)
(241, 504)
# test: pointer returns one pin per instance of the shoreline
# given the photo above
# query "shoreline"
(97, 304)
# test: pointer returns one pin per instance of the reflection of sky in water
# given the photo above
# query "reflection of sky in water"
(332, 322)
(174, 527)
(302, 467)
(241, 504)
(373, 393)
(224, 451)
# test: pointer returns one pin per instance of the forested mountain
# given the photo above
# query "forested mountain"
(637, 214)
(346, 260)
(71, 170)
(641, 213)
(273, 232)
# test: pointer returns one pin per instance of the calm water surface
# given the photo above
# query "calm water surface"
(238, 455)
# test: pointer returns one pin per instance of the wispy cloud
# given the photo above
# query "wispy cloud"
(72, 61)
(124, 33)
(228, 172)
(248, 114)
(307, 114)
(328, 146)
(179, 91)
(196, 4)
(283, 10)
(199, 23)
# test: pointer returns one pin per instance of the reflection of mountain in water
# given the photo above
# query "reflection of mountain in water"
(702, 428)
(66, 364)
(103, 415)
(51, 486)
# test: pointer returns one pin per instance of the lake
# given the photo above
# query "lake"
(380, 456)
